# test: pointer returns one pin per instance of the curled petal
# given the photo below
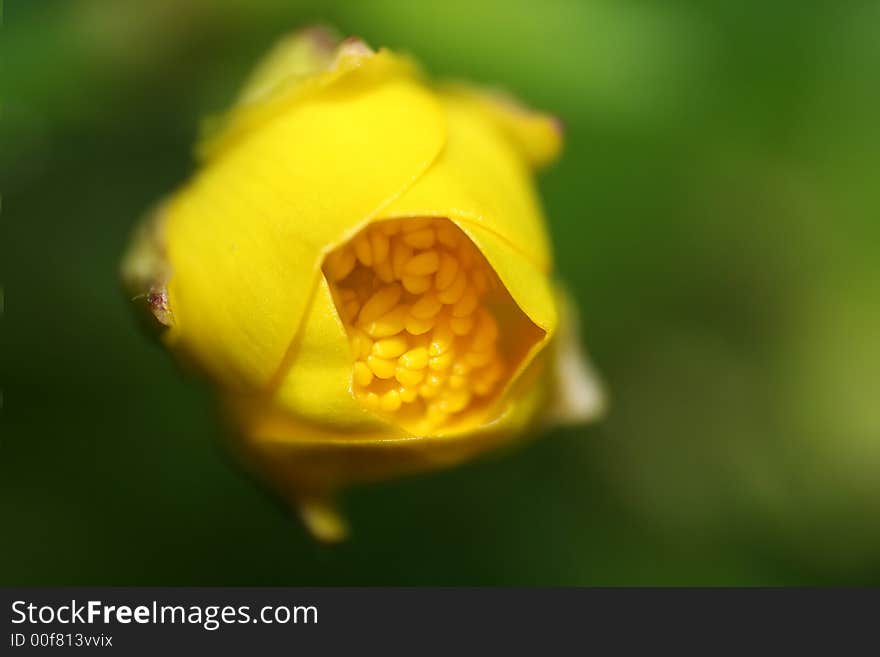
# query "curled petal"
(246, 237)
(536, 135)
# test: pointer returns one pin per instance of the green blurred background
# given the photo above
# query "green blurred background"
(715, 214)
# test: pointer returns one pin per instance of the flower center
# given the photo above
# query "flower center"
(415, 297)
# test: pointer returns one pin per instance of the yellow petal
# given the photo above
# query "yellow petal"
(317, 385)
(307, 457)
(246, 237)
(480, 183)
(308, 461)
(479, 179)
(536, 135)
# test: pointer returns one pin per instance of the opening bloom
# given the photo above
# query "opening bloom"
(361, 266)
(422, 306)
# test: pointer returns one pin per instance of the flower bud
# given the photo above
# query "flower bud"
(361, 267)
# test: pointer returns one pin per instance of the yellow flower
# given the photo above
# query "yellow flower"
(361, 267)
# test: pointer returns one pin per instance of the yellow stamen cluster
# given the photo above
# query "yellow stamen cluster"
(412, 294)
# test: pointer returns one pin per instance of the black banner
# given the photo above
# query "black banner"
(145, 621)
